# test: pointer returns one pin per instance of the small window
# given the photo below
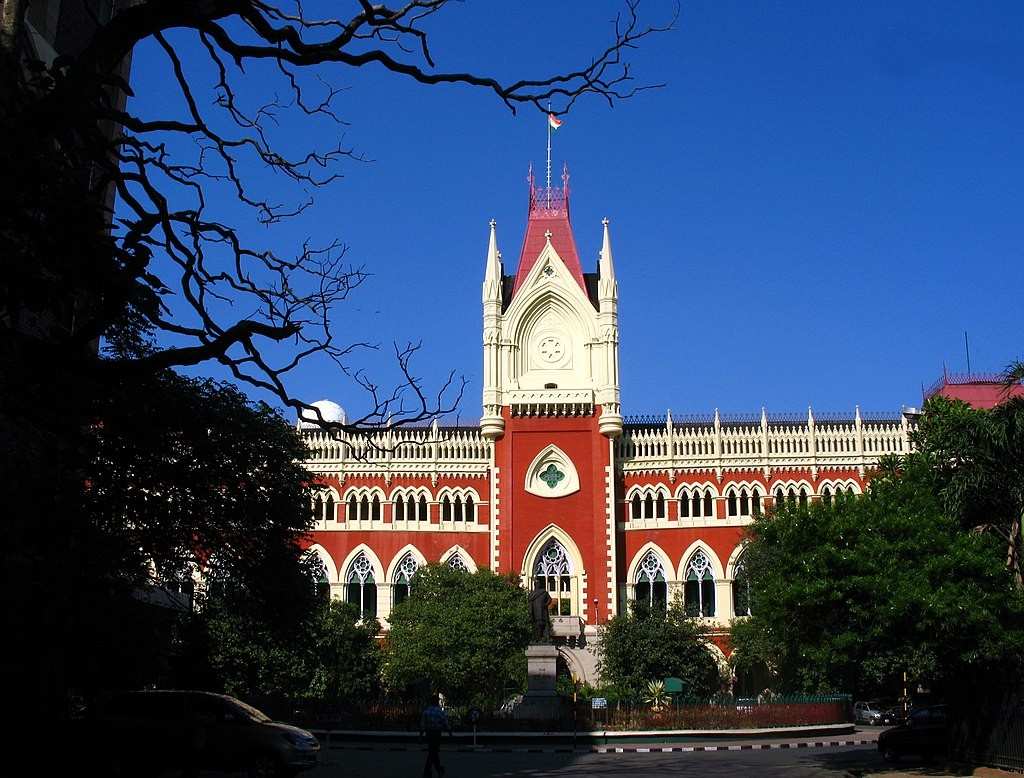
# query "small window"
(684, 506)
(648, 507)
(375, 512)
(399, 508)
(636, 511)
(709, 504)
(731, 502)
(470, 508)
(744, 503)
(446, 509)
(550, 386)
(353, 512)
(422, 511)
(659, 506)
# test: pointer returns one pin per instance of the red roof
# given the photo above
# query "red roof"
(549, 212)
(977, 390)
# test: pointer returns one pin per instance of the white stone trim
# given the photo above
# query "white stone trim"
(378, 569)
(325, 557)
(409, 548)
(552, 455)
(466, 557)
(716, 563)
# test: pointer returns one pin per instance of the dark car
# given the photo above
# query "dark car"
(893, 716)
(140, 733)
(924, 733)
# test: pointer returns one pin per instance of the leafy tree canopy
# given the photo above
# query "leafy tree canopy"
(847, 596)
(461, 634)
(978, 456)
(652, 644)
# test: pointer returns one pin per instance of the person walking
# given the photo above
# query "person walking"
(433, 722)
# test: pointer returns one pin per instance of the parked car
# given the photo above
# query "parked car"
(924, 733)
(868, 712)
(893, 716)
(139, 733)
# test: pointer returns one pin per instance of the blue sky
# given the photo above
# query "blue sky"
(812, 211)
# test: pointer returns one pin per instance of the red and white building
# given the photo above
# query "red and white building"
(555, 484)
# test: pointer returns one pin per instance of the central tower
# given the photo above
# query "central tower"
(551, 408)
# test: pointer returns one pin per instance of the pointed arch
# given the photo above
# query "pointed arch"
(325, 557)
(538, 543)
(716, 564)
(408, 549)
(650, 545)
(378, 568)
(459, 551)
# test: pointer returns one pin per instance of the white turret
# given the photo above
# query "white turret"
(608, 316)
(492, 425)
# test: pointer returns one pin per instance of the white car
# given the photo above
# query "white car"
(868, 712)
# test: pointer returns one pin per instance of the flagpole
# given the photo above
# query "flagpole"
(548, 122)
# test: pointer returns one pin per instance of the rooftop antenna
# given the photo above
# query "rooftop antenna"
(967, 348)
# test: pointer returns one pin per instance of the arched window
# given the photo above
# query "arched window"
(744, 503)
(709, 504)
(826, 495)
(364, 508)
(741, 589)
(321, 583)
(648, 506)
(375, 508)
(318, 508)
(422, 512)
(699, 589)
(399, 508)
(791, 497)
(552, 571)
(803, 497)
(650, 587)
(456, 562)
(352, 514)
(659, 506)
(401, 587)
(730, 502)
(446, 508)
(755, 502)
(457, 509)
(361, 589)
(329, 508)
(470, 508)
(684, 505)
(780, 498)
(636, 511)
(695, 503)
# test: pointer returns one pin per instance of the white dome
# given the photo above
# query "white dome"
(330, 411)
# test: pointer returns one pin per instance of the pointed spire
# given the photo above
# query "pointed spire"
(605, 265)
(493, 255)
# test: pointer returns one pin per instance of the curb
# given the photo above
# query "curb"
(614, 749)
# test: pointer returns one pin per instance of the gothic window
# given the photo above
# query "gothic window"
(401, 587)
(361, 589)
(779, 498)
(650, 587)
(470, 508)
(791, 497)
(457, 509)
(552, 571)
(755, 502)
(399, 508)
(826, 495)
(803, 497)
(446, 508)
(329, 508)
(699, 587)
(375, 508)
(684, 505)
(422, 512)
(741, 589)
(696, 503)
(744, 503)
(352, 514)
(659, 506)
(648, 506)
(730, 502)
(636, 511)
(364, 508)
(709, 504)
(456, 562)
(318, 508)
(321, 583)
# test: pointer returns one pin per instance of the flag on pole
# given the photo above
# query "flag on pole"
(554, 122)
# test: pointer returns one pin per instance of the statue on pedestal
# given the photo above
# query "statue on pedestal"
(540, 600)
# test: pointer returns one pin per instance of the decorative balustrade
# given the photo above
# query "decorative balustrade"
(767, 440)
(414, 447)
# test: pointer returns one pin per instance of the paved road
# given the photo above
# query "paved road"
(801, 763)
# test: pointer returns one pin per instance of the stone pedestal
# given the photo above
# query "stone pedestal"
(541, 701)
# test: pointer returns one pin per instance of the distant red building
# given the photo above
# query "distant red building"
(554, 484)
(982, 390)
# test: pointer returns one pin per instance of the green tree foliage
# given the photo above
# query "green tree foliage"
(652, 644)
(848, 596)
(978, 456)
(461, 634)
(326, 654)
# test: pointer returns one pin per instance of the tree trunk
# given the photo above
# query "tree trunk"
(1013, 552)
